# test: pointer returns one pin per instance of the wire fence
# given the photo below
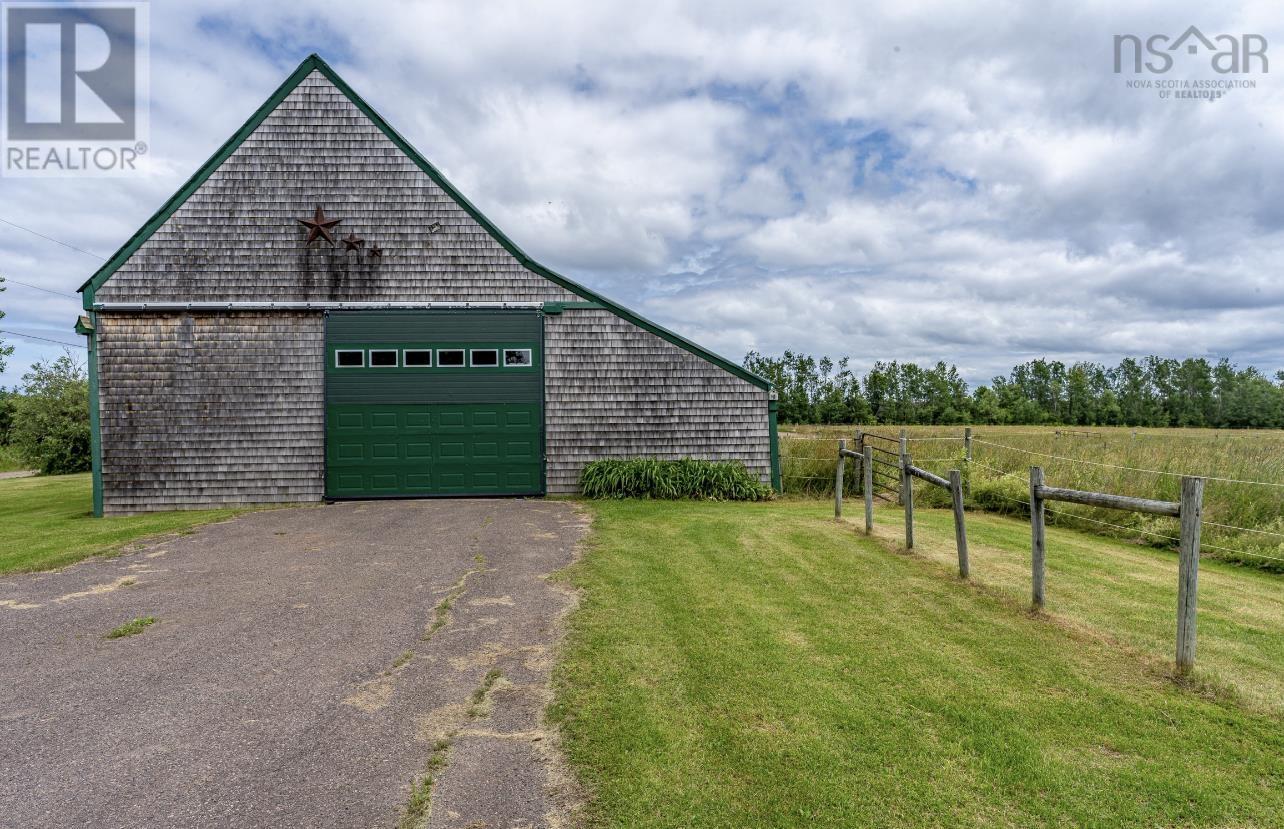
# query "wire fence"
(886, 473)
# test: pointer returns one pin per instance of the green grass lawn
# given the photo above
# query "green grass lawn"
(47, 522)
(1125, 591)
(737, 665)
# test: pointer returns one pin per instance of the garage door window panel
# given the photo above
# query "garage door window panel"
(484, 358)
(349, 358)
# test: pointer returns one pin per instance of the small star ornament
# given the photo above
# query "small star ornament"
(319, 227)
(353, 242)
(375, 252)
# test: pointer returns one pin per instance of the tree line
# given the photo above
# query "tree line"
(1147, 391)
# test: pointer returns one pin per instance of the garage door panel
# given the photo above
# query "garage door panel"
(351, 420)
(385, 452)
(433, 429)
(520, 450)
(452, 419)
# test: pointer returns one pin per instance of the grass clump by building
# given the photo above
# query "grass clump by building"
(686, 478)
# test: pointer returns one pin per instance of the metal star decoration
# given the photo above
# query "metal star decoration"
(352, 242)
(376, 251)
(319, 227)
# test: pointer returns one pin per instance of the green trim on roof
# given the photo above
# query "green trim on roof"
(315, 63)
(192, 184)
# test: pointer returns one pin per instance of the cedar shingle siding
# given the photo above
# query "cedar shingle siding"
(198, 410)
(616, 391)
(204, 407)
(236, 238)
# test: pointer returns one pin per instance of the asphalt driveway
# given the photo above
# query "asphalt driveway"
(304, 666)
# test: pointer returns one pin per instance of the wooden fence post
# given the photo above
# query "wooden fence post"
(907, 495)
(860, 450)
(960, 531)
(900, 496)
(838, 479)
(967, 457)
(868, 476)
(1037, 548)
(1192, 505)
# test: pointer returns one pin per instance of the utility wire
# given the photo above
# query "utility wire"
(6, 280)
(52, 239)
(46, 339)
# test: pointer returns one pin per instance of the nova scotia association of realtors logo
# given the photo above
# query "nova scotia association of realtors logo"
(76, 88)
(1230, 57)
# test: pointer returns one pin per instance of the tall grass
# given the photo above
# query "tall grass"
(1103, 460)
(686, 478)
(10, 460)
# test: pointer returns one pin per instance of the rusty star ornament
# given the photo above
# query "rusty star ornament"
(319, 227)
(375, 252)
(352, 242)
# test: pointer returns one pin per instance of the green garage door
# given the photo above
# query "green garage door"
(440, 402)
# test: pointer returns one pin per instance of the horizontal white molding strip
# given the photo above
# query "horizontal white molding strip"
(299, 306)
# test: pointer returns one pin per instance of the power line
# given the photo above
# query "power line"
(5, 280)
(52, 239)
(46, 339)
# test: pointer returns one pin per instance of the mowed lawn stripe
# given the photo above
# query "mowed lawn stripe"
(1128, 592)
(761, 665)
(48, 522)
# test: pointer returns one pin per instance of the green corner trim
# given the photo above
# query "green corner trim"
(315, 63)
(773, 406)
(95, 431)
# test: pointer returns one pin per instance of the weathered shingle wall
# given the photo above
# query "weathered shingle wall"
(237, 239)
(613, 390)
(203, 409)
(210, 409)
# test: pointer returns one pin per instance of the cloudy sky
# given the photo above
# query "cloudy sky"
(901, 180)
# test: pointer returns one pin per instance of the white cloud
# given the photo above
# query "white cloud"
(909, 180)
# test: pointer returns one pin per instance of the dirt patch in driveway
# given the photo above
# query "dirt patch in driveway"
(289, 681)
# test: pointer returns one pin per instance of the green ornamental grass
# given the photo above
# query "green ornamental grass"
(686, 478)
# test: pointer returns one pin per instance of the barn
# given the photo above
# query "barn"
(319, 314)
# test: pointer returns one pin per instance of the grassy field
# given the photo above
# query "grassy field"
(1124, 592)
(9, 460)
(762, 665)
(47, 522)
(1093, 459)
